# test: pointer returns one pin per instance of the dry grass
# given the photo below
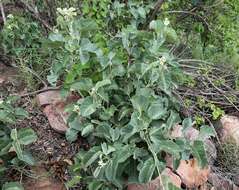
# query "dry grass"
(228, 160)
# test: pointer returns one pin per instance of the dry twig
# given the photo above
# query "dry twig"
(2, 12)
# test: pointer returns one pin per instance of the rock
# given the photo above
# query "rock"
(191, 174)
(230, 128)
(175, 179)
(155, 184)
(211, 151)
(48, 97)
(54, 108)
(56, 118)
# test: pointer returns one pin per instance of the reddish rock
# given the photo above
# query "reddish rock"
(191, 174)
(48, 97)
(230, 128)
(54, 108)
(56, 118)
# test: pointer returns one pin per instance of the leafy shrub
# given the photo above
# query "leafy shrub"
(127, 109)
(13, 139)
(22, 40)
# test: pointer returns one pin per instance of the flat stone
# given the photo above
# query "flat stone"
(192, 175)
(48, 97)
(56, 118)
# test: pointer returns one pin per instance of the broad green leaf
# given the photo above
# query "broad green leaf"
(206, 132)
(21, 113)
(199, 153)
(140, 103)
(85, 84)
(115, 134)
(156, 133)
(146, 172)
(56, 37)
(75, 180)
(95, 185)
(12, 186)
(124, 112)
(140, 153)
(173, 119)
(103, 131)
(87, 130)
(84, 56)
(164, 81)
(187, 123)
(167, 146)
(87, 107)
(76, 124)
(111, 169)
(91, 156)
(118, 70)
(26, 136)
(97, 171)
(27, 158)
(139, 123)
(71, 134)
(171, 35)
(157, 110)
(141, 12)
(123, 153)
(17, 147)
(108, 113)
(101, 84)
(158, 26)
(87, 46)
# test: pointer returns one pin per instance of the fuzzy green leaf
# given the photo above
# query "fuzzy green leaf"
(12, 186)
(26, 136)
(157, 110)
(146, 172)
(85, 84)
(87, 107)
(87, 130)
(200, 153)
(206, 132)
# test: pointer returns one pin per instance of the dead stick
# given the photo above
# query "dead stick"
(156, 9)
(2, 12)
(38, 91)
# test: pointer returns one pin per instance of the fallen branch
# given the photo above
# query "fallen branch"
(2, 12)
(38, 91)
(153, 14)
(193, 14)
